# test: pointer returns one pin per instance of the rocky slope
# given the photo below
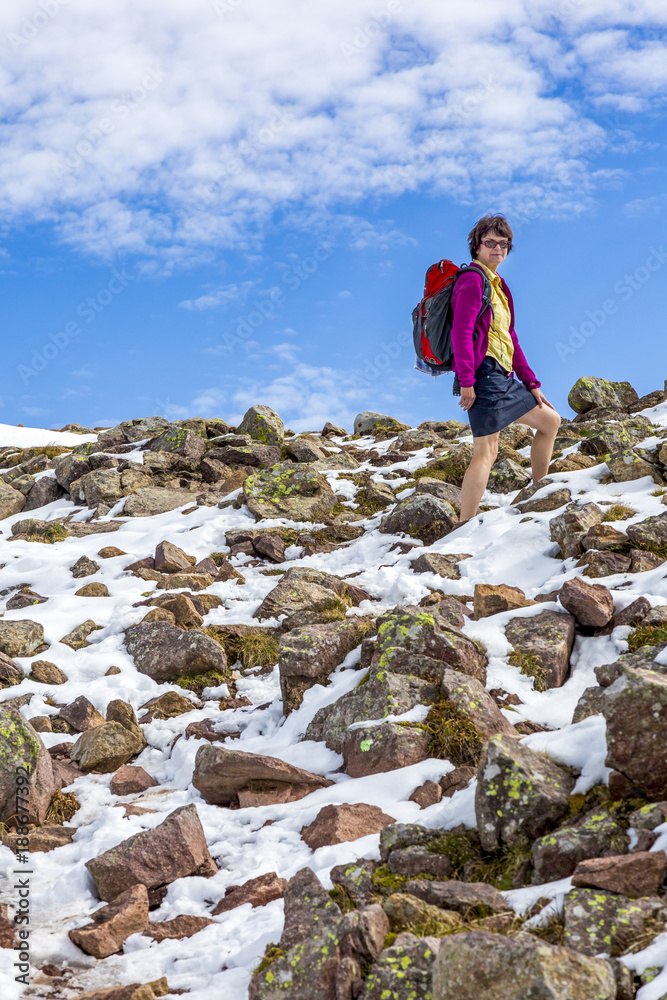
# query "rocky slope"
(269, 730)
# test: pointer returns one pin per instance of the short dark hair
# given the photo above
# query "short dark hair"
(489, 222)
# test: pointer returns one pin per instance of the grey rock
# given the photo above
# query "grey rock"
(519, 793)
(165, 652)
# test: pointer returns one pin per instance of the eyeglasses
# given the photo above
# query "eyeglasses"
(492, 244)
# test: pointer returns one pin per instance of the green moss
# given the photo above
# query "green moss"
(251, 650)
(646, 635)
(530, 666)
(272, 953)
(342, 898)
(197, 682)
(365, 503)
(55, 533)
(385, 882)
(471, 863)
(452, 735)
(334, 610)
(62, 807)
(618, 512)
(460, 847)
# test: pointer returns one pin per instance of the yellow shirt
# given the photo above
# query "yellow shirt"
(500, 342)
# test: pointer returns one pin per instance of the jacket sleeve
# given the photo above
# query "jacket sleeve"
(521, 366)
(466, 303)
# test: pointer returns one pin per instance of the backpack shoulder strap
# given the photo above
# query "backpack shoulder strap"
(486, 285)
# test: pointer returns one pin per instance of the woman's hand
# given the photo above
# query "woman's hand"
(467, 397)
(540, 398)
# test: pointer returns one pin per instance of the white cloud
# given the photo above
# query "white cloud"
(345, 294)
(218, 297)
(171, 137)
(286, 352)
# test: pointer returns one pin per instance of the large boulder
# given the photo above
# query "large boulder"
(478, 965)
(28, 781)
(598, 921)
(149, 500)
(591, 604)
(21, 637)
(383, 694)
(179, 441)
(303, 589)
(569, 528)
(155, 858)
(638, 874)
(339, 823)
(227, 777)
(375, 749)
(557, 854)
(69, 468)
(547, 638)
(289, 490)
(635, 708)
(307, 655)
(378, 424)
(141, 429)
(101, 487)
(421, 516)
(11, 501)
(612, 437)
(519, 793)
(309, 946)
(263, 424)
(589, 392)
(165, 652)
(105, 748)
(403, 970)
(629, 464)
(428, 634)
(650, 532)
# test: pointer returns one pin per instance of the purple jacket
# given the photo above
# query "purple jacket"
(468, 356)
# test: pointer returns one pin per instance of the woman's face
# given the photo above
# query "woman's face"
(492, 256)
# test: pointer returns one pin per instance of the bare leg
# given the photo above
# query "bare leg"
(477, 474)
(546, 423)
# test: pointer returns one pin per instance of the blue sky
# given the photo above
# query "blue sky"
(206, 205)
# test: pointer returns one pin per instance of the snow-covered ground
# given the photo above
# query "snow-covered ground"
(217, 962)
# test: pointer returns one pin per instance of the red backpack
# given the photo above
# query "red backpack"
(432, 317)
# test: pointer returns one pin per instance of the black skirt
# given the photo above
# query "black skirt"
(500, 399)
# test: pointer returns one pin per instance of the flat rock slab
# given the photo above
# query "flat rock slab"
(112, 924)
(461, 897)
(42, 839)
(639, 874)
(492, 599)
(478, 965)
(129, 780)
(150, 500)
(257, 891)
(336, 824)
(289, 490)
(184, 926)
(445, 565)
(155, 858)
(226, 777)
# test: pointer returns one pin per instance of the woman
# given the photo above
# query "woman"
(486, 355)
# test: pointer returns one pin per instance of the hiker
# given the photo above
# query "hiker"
(485, 365)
